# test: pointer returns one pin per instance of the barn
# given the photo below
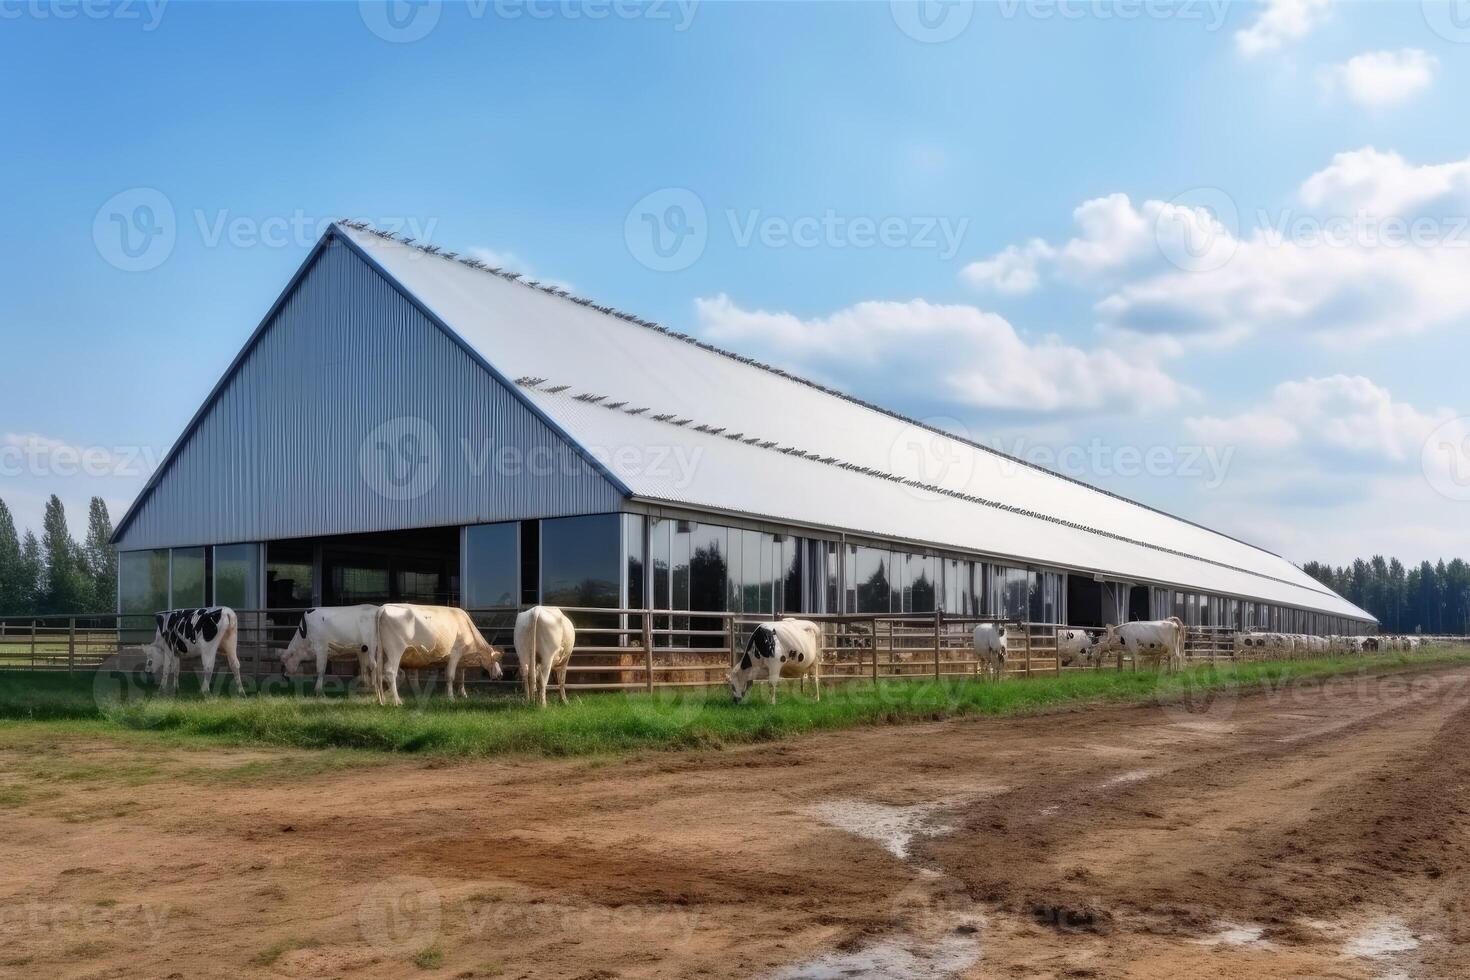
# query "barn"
(407, 424)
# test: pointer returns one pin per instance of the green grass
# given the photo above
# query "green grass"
(600, 723)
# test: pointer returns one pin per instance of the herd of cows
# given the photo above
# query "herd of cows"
(406, 636)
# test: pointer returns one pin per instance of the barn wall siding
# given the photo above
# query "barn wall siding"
(298, 440)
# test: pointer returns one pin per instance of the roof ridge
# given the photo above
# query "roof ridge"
(364, 226)
(671, 419)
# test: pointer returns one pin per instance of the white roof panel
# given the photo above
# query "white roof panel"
(526, 332)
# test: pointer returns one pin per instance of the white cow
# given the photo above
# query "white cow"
(990, 649)
(1076, 646)
(335, 631)
(415, 637)
(1159, 639)
(202, 633)
(790, 648)
(544, 639)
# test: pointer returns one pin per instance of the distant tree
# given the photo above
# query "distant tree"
(32, 573)
(65, 587)
(12, 595)
(100, 558)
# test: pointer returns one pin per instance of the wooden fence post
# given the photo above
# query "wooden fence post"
(71, 647)
(648, 647)
(874, 637)
(1026, 632)
(937, 615)
(33, 644)
(1056, 647)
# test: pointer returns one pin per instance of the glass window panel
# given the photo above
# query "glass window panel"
(709, 570)
(871, 580)
(237, 575)
(793, 559)
(492, 565)
(288, 575)
(581, 560)
(142, 582)
(923, 584)
(188, 578)
(634, 573)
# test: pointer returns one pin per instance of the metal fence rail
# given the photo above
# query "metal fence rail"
(637, 649)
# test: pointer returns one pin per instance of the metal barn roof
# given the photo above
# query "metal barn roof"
(773, 446)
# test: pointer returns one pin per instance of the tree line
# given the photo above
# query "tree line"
(55, 574)
(1430, 598)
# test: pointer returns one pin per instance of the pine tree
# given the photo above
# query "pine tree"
(65, 588)
(100, 558)
(32, 573)
(12, 595)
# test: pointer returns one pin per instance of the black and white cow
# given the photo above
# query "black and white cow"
(790, 648)
(335, 632)
(202, 633)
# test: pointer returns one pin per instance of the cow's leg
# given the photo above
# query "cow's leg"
(233, 659)
(390, 672)
(561, 678)
(206, 674)
(817, 677)
(543, 681)
(451, 667)
(321, 668)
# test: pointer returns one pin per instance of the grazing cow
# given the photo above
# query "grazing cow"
(335, 631)
(202, 633)
(544, 639)
(790, 648)
(1076, 646)
(1370, 644)
(1160, 639)
(415, 637)
(990, 649)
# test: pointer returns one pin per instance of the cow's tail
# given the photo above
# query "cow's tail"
(1179, 633)
(529, 668)
(379, 660)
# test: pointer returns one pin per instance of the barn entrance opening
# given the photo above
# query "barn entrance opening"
(421, 566)
(1138, 603)
(1085, 602)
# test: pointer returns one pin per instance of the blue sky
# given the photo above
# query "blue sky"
(1001, 303)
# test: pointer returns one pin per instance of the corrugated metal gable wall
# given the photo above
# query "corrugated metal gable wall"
(277, 456)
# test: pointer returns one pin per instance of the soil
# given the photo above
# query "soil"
(1321, 830)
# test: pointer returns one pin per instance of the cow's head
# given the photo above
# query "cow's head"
(740, 678)
(297, 651)
(154, 656)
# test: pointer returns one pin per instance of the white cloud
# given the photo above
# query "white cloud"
(1015, 270)
(1339, 414)
(1280, 21)
(977, 358)
(1114, 238)
(1382, 183)
(1379, 248)
(1376, 79)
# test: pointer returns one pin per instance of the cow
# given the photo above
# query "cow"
(1076, 646)
(789, 648)
(1160, 639)
(415, 637)
(203, 633)
(990, 649)
(544, 639)
(341, 631)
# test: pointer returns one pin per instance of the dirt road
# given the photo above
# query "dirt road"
(1315, 831)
